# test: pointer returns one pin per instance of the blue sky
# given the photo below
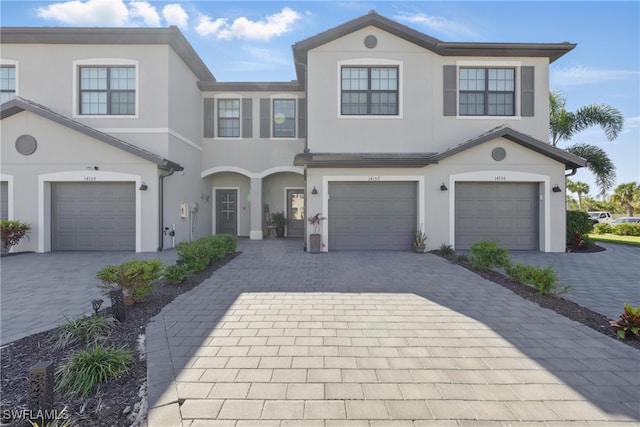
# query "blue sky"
(251, 41)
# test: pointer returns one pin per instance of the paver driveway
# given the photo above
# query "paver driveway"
(281, 337)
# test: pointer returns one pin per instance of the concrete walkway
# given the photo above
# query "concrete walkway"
(42, 291)
(284, 338)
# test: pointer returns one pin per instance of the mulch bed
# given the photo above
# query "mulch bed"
(117, 402)
(121, 402)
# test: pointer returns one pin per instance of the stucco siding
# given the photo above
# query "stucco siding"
(420, 125)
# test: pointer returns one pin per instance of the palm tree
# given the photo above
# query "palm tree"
(579, 188)
(564, 124)
(627, 195)
(599, 163)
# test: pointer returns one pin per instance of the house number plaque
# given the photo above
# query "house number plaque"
(89, 178)
(373, 179)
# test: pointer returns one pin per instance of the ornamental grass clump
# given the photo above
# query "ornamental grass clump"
(85, 329)
(544, 280)
(84, 370)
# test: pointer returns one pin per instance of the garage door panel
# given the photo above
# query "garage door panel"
(371, 216)
(505, 212)
(93, 216)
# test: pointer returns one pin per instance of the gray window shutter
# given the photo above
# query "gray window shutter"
(209, 118)
(450, 90)
(302, 118)
(527, 94)
(247, 118)
(265, 118)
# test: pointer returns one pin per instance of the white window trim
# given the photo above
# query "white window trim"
(105, 62)
(283, 96)
(217, 112)
(367, 178)
(491, 64)
(370, 62)
(17, 73)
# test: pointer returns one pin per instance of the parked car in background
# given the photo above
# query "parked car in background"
(597, 217)
(627, 220)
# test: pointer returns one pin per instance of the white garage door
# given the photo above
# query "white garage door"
(93, 216)
(503, 211)
(372, 216)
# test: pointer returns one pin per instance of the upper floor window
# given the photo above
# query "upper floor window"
(487, 92)
(107, 90)
(284, 118)
(369, 91)
(7, 82)
(229, 118)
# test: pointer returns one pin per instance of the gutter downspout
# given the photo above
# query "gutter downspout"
(573, 172)
(161, 207)
(306, 142)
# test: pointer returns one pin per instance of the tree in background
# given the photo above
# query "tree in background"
(565, 124)
(627, 196)
(578, 188)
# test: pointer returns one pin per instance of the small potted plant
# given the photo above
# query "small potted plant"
(315, 238)
(419, 240)
(279, 221)
(11, 232)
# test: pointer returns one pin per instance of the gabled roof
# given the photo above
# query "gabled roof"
(17, 105)
(552, 51)
(418, 160)
(570, 161)
(171, 36)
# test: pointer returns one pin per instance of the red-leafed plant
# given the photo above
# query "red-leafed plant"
(629, 322)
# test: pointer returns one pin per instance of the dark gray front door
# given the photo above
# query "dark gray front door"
(227, 212)
(372, 216)
(93, 216)
(503, 211)
(295, 212)
(4, 200)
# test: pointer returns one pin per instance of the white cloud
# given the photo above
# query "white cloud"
(206, 26)
(438, 24)
(632, 122)
(91, 12)
(582, 75)
(174, 14)
(242, 28)
(143, 10)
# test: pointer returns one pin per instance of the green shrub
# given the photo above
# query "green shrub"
(543, 279)
(626, 229)
(11, 232)
(82, 371)
(175, 274)
(578, 224)
(447, 251)
(136, 277)
(602, 228)
(83, 329)
(488, 254)
(629, 322)
(463, 259)
(197, 255)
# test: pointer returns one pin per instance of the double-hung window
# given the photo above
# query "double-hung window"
(107, 90)
(7, 82)
(229, 118)
(284, 118)
(369, 91)
(487, 92)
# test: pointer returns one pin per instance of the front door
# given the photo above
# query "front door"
(295, 213)
(227, 212)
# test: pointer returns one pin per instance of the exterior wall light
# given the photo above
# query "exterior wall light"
(443, 187)
(143, 187)
(314, 191)
(96, 303)
(556, 189)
